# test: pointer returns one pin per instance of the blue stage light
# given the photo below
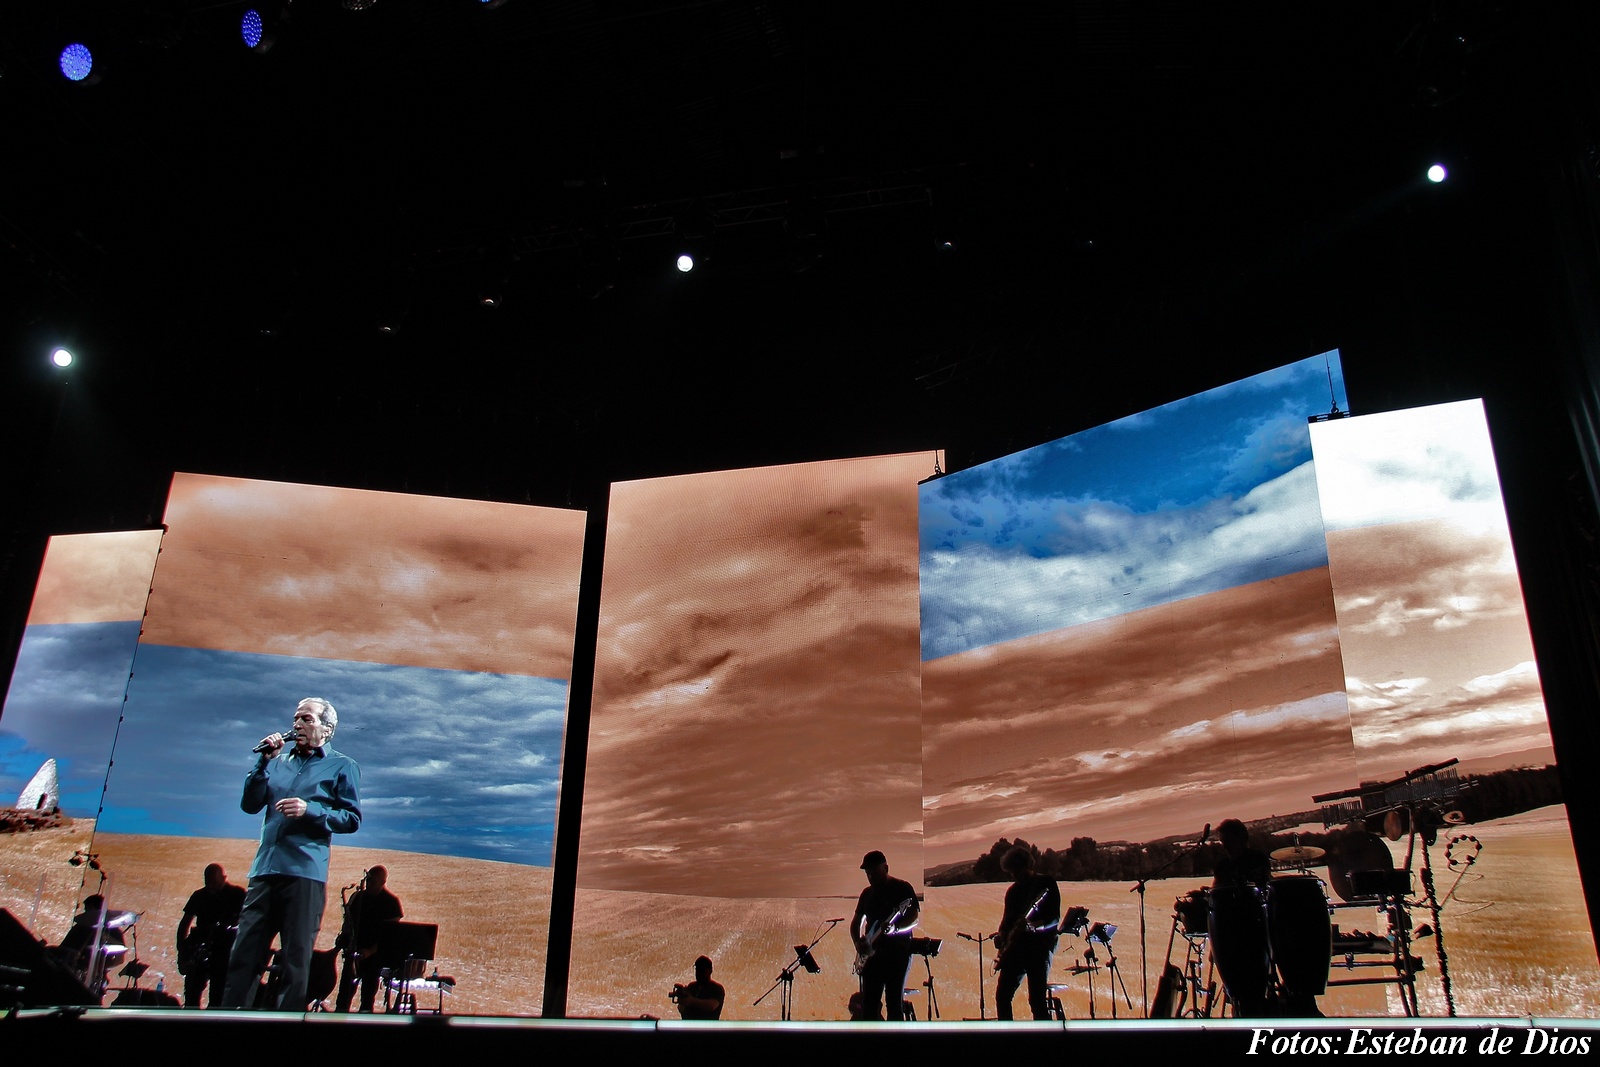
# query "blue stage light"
(76, 62)
(250, 28)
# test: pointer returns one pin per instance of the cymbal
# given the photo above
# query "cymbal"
(1298, 854)
(117, 920)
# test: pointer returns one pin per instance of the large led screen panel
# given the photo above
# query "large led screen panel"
(1128, 633)
(1135, 632)
(755, 730)
(61, 715)
(442, 632)
(1440, 667)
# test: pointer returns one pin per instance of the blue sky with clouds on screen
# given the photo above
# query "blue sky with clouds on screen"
(1206, 493)
(456, 763)
(66, 693)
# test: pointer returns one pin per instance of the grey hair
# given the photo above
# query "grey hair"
(325, 712)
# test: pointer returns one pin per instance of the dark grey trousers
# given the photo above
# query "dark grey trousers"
(290, 908)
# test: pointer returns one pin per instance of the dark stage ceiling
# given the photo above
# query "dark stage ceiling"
(1144, 200)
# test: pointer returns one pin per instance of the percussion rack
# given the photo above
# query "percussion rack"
(1391, 951)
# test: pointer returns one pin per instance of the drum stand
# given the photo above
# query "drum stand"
(1195, 986)
(1197, 992)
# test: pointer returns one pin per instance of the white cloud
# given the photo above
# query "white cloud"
(1125, 561)
(1399, 466)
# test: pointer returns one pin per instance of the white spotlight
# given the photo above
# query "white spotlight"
(686, 263)
(61, 357)
(1437, 173)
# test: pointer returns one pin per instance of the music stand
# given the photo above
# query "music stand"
(406, 948)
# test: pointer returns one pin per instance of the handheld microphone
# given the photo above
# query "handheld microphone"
(1206, 836)
(264, 746)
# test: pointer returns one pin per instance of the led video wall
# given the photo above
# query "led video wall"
(1226, 606)
(61, 714)
(442, 632)
(756, 729)
(1217, 609)
(1128, 628)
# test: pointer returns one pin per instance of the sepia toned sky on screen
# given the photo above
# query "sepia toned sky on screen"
(441, 629)
(1436, 646)
(72, 668)
(101, 577)
(303, 570)
(756, 723)
(1139, 726)
(1202, 494)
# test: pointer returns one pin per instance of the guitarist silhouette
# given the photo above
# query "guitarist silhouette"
(885, 916)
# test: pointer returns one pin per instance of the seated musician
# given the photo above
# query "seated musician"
(1242, 865)
(702, 998)
(76, 947)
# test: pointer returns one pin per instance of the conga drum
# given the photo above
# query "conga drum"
(1301, 933)
(1239, 946)
(1193, 912)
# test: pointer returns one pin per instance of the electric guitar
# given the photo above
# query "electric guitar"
(883, 928)
(1005, 940)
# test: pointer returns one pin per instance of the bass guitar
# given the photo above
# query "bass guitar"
(883, 928)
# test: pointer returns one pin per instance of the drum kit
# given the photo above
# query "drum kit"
(1273, 944)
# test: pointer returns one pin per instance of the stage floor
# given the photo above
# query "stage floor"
(427, 1035)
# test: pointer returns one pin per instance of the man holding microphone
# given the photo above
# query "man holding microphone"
(309, 794)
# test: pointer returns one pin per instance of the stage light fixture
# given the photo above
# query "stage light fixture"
(77, 62)
(61, 357)
(257, 31)
(685, 263)
(1437, 173)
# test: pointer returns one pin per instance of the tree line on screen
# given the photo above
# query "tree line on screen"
(1483, 797)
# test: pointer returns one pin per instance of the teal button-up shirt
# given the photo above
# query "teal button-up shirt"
(329, 782)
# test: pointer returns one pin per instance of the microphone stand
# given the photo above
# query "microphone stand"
(348, 930)
(1139, 887)
(802, 958)
(978, 940)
